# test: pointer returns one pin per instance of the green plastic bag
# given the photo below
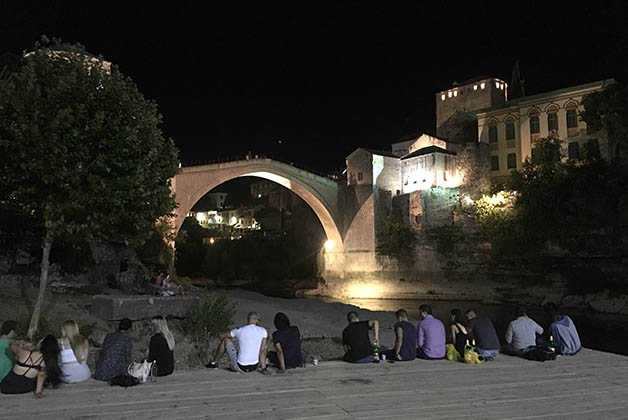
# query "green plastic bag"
(452, 354)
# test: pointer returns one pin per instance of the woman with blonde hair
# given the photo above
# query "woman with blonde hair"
(161, 348)
(74, 351)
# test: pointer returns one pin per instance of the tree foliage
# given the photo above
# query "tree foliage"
(567, 203)
(608, 110)
(394, 239)
(81, 148)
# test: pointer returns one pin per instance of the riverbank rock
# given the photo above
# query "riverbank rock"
(141, 307)
(604, 302)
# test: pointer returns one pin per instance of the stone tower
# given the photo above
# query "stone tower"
(471, 95)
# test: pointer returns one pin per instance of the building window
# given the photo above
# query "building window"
(572, 118)
(552, 121)
(360, 176)
(494, 163)
(482, 85)
(573, 150)
(535, 126)
(512, 161)
(492, 134)
(510, 131)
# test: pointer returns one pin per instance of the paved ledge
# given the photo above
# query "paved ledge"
(114, 308)
(591, 385)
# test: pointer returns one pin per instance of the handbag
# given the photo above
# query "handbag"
(142, 370)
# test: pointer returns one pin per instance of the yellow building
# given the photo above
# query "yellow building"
(511, 128)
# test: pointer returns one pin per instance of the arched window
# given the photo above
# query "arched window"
(572, 114)
(510, 128)
(535, 126)
(492, 131)
(552, 119)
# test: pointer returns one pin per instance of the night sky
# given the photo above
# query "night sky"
(322, 78)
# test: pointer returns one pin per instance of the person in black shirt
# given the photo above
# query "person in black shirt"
(356, 340)
(482, 330)
(459, 331)
(287, 340)
(161, 347)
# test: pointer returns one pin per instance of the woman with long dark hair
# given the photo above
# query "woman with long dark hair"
(287, 341)
(33, 368)
(459, 332)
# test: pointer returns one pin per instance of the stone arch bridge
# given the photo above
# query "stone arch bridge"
(322, 194)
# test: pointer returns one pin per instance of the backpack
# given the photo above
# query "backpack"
(539, 354)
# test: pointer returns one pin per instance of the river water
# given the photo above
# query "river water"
(597, 331)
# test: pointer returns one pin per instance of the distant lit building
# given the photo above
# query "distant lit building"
(261, 189)
(512, 128)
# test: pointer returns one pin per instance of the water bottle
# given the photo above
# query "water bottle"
(552, 348)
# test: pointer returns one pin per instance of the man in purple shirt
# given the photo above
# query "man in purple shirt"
(430, 335)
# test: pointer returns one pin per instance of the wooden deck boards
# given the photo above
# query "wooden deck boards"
(591, 385)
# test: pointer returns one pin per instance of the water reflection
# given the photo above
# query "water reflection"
(597, 331)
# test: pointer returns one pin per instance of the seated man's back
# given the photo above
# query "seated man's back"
(356, 337)
(115, 356)
(408, 345)
(566, 338)
(521, 333)
(484, 333)
(430, 335)
(249, 340)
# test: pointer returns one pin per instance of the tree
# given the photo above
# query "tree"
(608, 110)
(82, 149)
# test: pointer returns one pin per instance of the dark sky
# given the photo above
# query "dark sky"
(322, 77)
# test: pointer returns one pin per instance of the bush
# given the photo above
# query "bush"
(209, 319)
(394, 239)
(446, 238)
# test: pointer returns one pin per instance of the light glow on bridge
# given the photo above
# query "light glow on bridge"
(329, 245)
(272, 177)
(365, 290)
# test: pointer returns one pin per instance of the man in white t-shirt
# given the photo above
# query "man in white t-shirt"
(251, 350)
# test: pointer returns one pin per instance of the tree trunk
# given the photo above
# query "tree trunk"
(43, 282)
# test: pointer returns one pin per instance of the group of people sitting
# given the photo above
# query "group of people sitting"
(64, 359)
(428, 340)
(25, 367)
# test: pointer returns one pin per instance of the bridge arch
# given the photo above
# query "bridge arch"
(321, 194)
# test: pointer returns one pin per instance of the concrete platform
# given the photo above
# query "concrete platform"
(114, 308)
(591, 385)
